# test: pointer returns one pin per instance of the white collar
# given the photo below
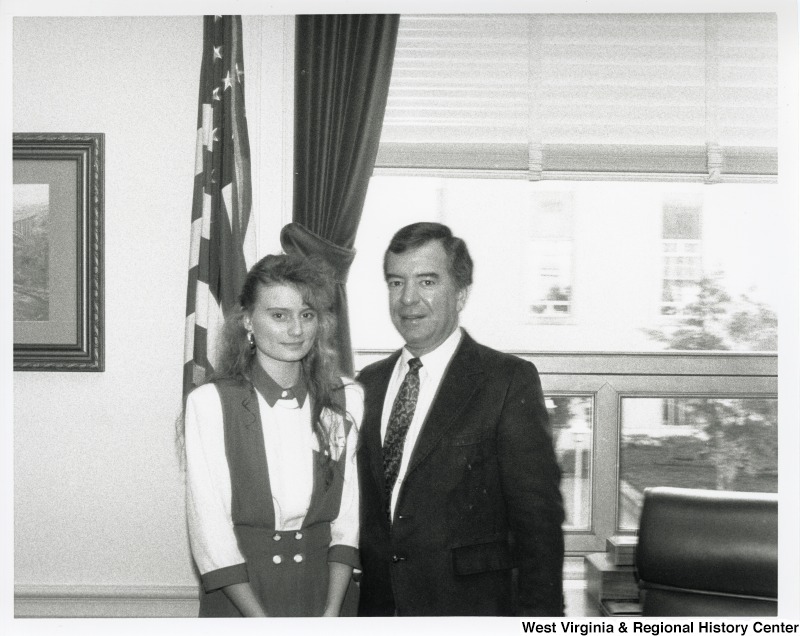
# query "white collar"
(434, 362)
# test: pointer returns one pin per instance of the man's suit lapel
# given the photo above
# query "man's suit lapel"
(375, 387)
(460, 382)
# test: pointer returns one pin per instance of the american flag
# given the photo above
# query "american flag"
(223, 245)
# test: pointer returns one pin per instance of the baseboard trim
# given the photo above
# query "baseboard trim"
(180, 601)
(105, 601)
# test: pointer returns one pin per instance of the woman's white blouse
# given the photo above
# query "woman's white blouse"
(288, 441)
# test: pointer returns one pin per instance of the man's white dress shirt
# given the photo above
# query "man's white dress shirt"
(434, 365)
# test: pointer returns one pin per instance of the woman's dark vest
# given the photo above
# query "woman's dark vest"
(287, 570)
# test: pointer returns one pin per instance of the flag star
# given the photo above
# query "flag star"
(216, 94)
(218, 52)
(238, 73)
(227, 79)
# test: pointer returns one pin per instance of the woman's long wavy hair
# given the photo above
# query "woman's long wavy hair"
(320, 369)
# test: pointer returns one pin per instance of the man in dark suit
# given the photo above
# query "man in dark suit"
(460, 506)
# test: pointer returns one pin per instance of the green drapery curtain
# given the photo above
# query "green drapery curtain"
(343, 65)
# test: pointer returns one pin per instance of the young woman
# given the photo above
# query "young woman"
(272, 497)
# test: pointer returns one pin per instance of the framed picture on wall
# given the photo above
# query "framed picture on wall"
(58, 251)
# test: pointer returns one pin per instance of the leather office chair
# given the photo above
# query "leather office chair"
(708, 553)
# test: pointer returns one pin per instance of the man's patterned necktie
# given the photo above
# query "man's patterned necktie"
(399, 421)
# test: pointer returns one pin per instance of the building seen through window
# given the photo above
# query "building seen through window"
(589, 266)
(548, 260)
(683, 256)
(711, 443)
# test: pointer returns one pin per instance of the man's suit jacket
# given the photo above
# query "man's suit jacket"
(477, 525)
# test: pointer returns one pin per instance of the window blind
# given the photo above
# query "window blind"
(553, 94)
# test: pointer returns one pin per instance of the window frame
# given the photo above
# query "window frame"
(608, 391)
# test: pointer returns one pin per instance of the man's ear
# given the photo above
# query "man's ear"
(463, 294)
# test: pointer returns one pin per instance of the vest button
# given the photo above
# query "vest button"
(298, 558)
(298, 535)
(277, 559)
(276, 537)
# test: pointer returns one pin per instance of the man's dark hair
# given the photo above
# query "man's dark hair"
(418, 234)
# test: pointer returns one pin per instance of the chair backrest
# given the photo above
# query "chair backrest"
(708, 553)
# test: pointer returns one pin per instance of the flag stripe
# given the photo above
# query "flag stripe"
(198, 152)
(188, 345)
(194, 248)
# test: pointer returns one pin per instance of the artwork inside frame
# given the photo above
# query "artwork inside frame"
(58, 251)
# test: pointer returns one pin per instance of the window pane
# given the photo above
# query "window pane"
(682, 219)
(587, 266)
(571, 420)
(716, 444)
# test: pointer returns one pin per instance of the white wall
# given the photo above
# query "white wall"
(99, 506)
